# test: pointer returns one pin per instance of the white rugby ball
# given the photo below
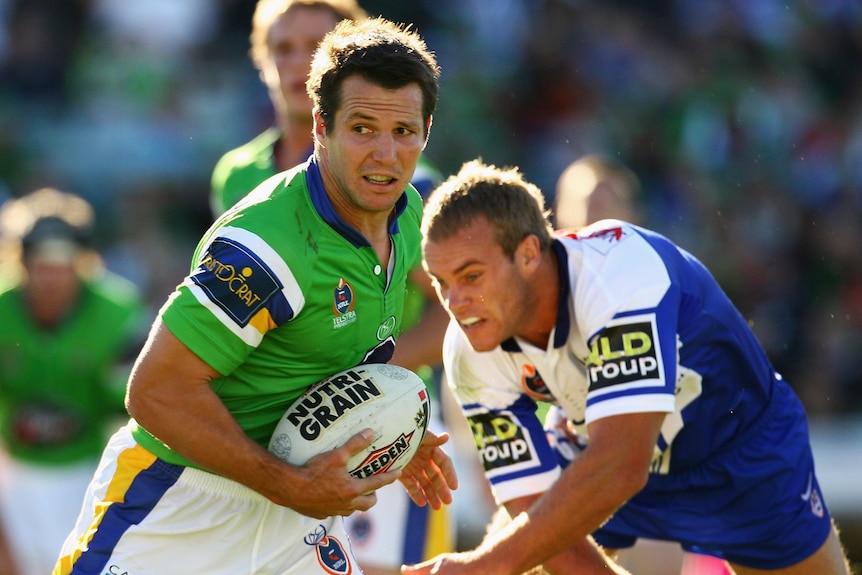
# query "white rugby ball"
(390, 400)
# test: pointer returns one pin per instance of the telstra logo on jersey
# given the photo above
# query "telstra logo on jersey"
(342, 304)
(623, 353)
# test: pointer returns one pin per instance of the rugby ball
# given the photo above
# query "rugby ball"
(390, 400)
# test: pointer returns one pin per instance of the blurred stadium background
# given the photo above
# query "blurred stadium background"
(743, 119)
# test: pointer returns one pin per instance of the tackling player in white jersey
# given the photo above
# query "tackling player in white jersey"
(692, 435)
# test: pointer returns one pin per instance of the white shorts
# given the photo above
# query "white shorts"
(38, 505)
(396, 531)
(143, 516)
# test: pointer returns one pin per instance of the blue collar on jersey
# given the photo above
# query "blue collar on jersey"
(326, 210)
(561, 335)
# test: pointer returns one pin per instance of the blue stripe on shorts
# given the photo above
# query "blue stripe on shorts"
(142, 495)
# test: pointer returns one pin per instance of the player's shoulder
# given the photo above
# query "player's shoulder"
(611, 244)
(415, 204)
(250, 151)
(116, 287)
(276, 223)
(426, 177)
(278, 191)
(237, 171)
(10, 280)
(614, 266)
(602, 236)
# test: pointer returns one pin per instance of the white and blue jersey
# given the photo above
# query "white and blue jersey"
(643, 326)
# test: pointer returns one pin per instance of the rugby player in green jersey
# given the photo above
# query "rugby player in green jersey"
(283, 38)
(302, 278)
(70, 330)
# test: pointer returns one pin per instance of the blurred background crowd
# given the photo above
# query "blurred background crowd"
(741, 118)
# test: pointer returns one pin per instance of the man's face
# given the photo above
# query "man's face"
(293, 38)
(52, 288)
(369, 155)
(481, 287)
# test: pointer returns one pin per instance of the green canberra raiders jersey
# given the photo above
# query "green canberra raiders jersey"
(284, 293)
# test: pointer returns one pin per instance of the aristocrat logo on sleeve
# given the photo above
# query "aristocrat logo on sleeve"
(500, 440)
(235, 279)
(624, 353)
(344, 298)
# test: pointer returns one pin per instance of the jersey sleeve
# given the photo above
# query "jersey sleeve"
(240, 289)
(509, 437)
(627, 307)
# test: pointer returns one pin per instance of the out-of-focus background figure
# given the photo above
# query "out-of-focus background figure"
(593, 188)
(70, 330)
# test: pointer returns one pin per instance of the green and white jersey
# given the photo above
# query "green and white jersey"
(283, 293)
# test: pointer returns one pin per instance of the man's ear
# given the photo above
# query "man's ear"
(319, 129)
(529, 253)
(427, 131)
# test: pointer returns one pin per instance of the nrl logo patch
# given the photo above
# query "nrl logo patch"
(344, 299)
(331, 554)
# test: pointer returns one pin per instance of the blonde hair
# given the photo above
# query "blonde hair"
(18, 216)
(268, 11)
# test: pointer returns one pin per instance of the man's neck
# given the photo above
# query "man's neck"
(544, 303)
(294, 145)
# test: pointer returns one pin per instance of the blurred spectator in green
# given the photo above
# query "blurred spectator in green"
(70, 332)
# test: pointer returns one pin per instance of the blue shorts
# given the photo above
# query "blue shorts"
(756, 502)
